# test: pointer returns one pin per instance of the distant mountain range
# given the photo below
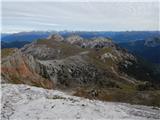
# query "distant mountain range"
(116, 36)
(148, 49)
(24, 36)
(140, 43)
(14, 44)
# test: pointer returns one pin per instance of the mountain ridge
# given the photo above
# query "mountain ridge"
(88, 67)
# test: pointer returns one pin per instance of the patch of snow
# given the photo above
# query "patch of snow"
(23, 102)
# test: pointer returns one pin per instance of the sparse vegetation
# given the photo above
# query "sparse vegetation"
(7, 52)
(150, 98)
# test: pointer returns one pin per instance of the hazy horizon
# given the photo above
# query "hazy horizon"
(79, 16)
(78, 31)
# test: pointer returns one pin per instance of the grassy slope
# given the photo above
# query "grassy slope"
(7, 52)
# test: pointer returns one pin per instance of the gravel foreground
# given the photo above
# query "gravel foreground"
(23, 102)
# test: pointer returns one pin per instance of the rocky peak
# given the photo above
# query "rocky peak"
(56, 37)
(74, 39)
(98, 42)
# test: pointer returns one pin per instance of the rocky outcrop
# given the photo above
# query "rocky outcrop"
(56, 37)
(98, 42)
(75, 39)
(71, 71)
(20, 68)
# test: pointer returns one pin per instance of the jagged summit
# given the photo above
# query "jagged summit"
(55, 37)
(96, 42)
(73, 39)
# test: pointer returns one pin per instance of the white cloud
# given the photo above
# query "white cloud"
(80, 15)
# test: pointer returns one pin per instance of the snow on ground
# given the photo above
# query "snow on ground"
(23, 102)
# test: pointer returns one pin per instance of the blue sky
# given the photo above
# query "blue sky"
(105, 16)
